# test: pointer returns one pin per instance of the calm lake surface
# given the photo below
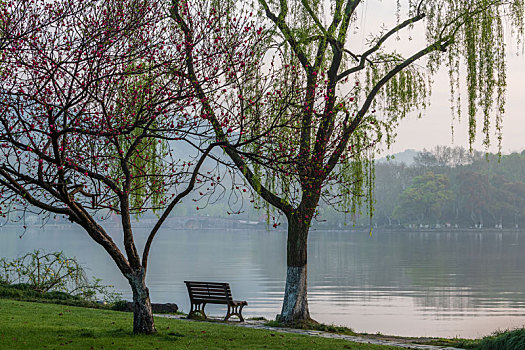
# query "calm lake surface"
(465, 284)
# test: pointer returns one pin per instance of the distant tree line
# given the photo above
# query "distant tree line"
(451, 187)
(443, 187)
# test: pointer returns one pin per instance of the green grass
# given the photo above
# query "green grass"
(27, 325)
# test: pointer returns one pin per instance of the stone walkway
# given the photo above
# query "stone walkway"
(356, 339)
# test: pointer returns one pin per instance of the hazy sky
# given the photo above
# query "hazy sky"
(434, 128)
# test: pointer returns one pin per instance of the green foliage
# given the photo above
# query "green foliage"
(25, 292)
(120, 305)
(143, 155)
(489, 191)
(407, 91)
(478, 31)
(52, 276)
(509, 340)
(424, 198)
(17, 291)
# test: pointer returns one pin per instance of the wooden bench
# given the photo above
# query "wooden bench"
(202, 293)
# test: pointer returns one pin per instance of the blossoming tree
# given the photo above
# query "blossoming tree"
(94, 103)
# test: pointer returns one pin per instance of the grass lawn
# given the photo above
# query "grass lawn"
(26, 325)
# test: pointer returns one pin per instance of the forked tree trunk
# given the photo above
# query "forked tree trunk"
(142, 314)
(295, 304)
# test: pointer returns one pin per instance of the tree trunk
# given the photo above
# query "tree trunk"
(142, 314)
(295, 304)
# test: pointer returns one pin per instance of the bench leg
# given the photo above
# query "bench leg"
(202, 311)
(197, 308)
(234, 310)
(228, 314)
(240, 313)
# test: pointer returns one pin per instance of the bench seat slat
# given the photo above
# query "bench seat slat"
(210, 301)
(211, 295)
(205, 296)
(209, 292)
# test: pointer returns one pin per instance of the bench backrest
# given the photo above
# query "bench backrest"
(210, 292)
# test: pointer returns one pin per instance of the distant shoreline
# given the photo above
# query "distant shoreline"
(262, 226)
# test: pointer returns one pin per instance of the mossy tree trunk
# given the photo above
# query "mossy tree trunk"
(143, 322)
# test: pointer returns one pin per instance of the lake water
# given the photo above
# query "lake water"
(466, 284)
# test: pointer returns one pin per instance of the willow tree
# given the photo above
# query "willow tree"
(336, 98)
(92, 111)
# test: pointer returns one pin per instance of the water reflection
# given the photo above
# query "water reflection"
(440, 284)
